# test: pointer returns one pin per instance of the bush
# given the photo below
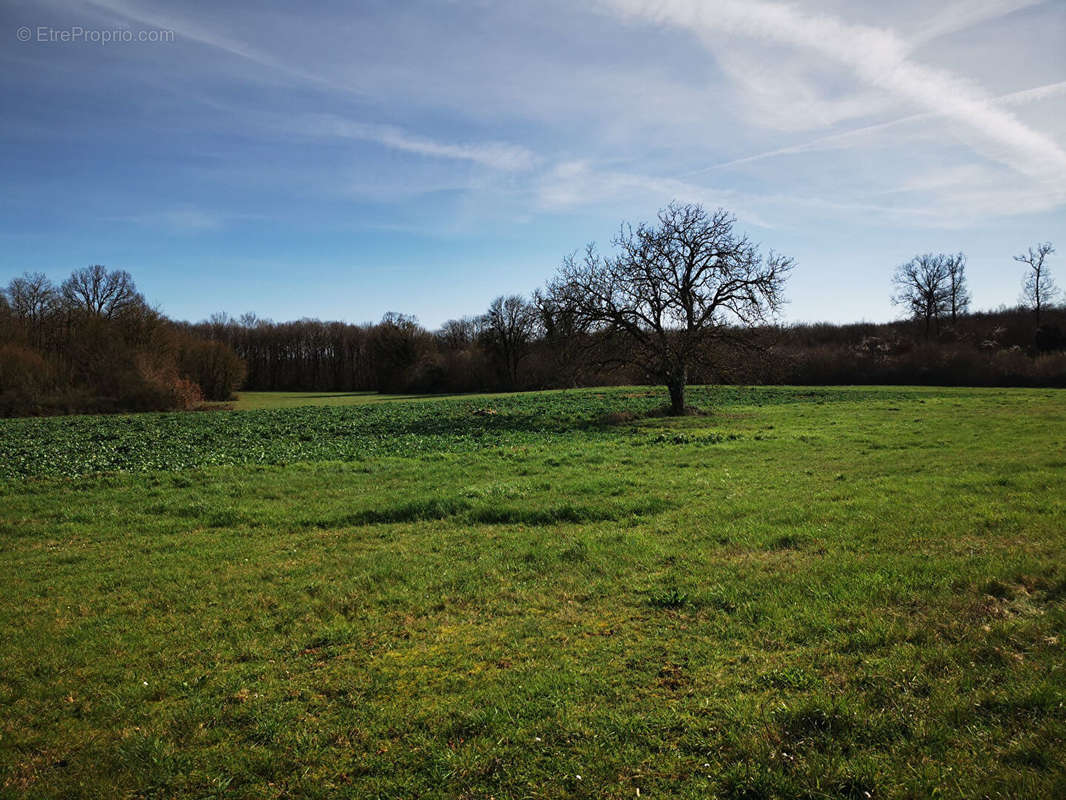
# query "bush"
(212, 366)
(24, 369)
(158, 388)
(26, 379)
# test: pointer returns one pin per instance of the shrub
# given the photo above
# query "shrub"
(212, 366)
(23, 368)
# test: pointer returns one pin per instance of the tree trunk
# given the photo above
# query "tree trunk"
(677, 396)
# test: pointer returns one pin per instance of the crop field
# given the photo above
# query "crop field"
(247, 401)
(801, 593)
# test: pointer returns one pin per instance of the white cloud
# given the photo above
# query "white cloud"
(959, 16)
(788, 93)
(184, 219)
(621, 125)
(574, 183)
(858, 136)
(877, 57)
(202, 34)
(581, 184)
(1034, 95)
(496, 155)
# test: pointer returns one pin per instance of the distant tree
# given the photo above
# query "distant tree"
(98, 292)
(394, 349)
(211, 365)
(507, 329)
(33, 299)
(565, 337)
(1038, 290)
(958, 290)
(32, 296)
(95, 345)
(458, 334)
(672, 290)
(923, 287)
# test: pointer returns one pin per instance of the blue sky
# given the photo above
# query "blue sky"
(338, 160)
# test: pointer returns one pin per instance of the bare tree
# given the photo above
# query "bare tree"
(458, 334)
(958, 290)
(674, 289)
(101, 293)
(1039, 290)
(33, 298)
(395, 345)
(565, 336)
(923, 288)
(508, 328)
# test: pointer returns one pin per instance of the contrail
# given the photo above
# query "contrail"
(1022, 97)
(874, 56)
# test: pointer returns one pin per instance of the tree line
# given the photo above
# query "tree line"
(933, 288)
(92, 343)
(683, 299)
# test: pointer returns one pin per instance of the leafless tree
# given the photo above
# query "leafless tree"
(565, 337)
(673, 289)
(923, 288)
(33, 298)
(958, 290)
(98, 292)
(507, 329)
(1039, 290)
(458, 334)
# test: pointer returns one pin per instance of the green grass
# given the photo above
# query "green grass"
(248, 401)
(806, 593)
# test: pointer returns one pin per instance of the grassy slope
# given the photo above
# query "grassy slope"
(248, 401)
(860, 592)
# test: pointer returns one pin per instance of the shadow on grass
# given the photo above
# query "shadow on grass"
(461, 510)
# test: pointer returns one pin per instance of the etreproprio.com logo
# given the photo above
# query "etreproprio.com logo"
(78, 34)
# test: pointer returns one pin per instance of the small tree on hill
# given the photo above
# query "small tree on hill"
(923, 288)
(672, 290)
(1039, 290)
(958, 290)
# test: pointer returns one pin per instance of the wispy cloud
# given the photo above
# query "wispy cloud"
(857, 135)
(877, 57)
(573, 183)
(196, 32)
(182, 219)
(960, 16)
(496, 155)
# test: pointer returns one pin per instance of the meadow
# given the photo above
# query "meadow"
(248, 401)
(801, 593)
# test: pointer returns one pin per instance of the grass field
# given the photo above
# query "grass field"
(248, 401)
(812, 593)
